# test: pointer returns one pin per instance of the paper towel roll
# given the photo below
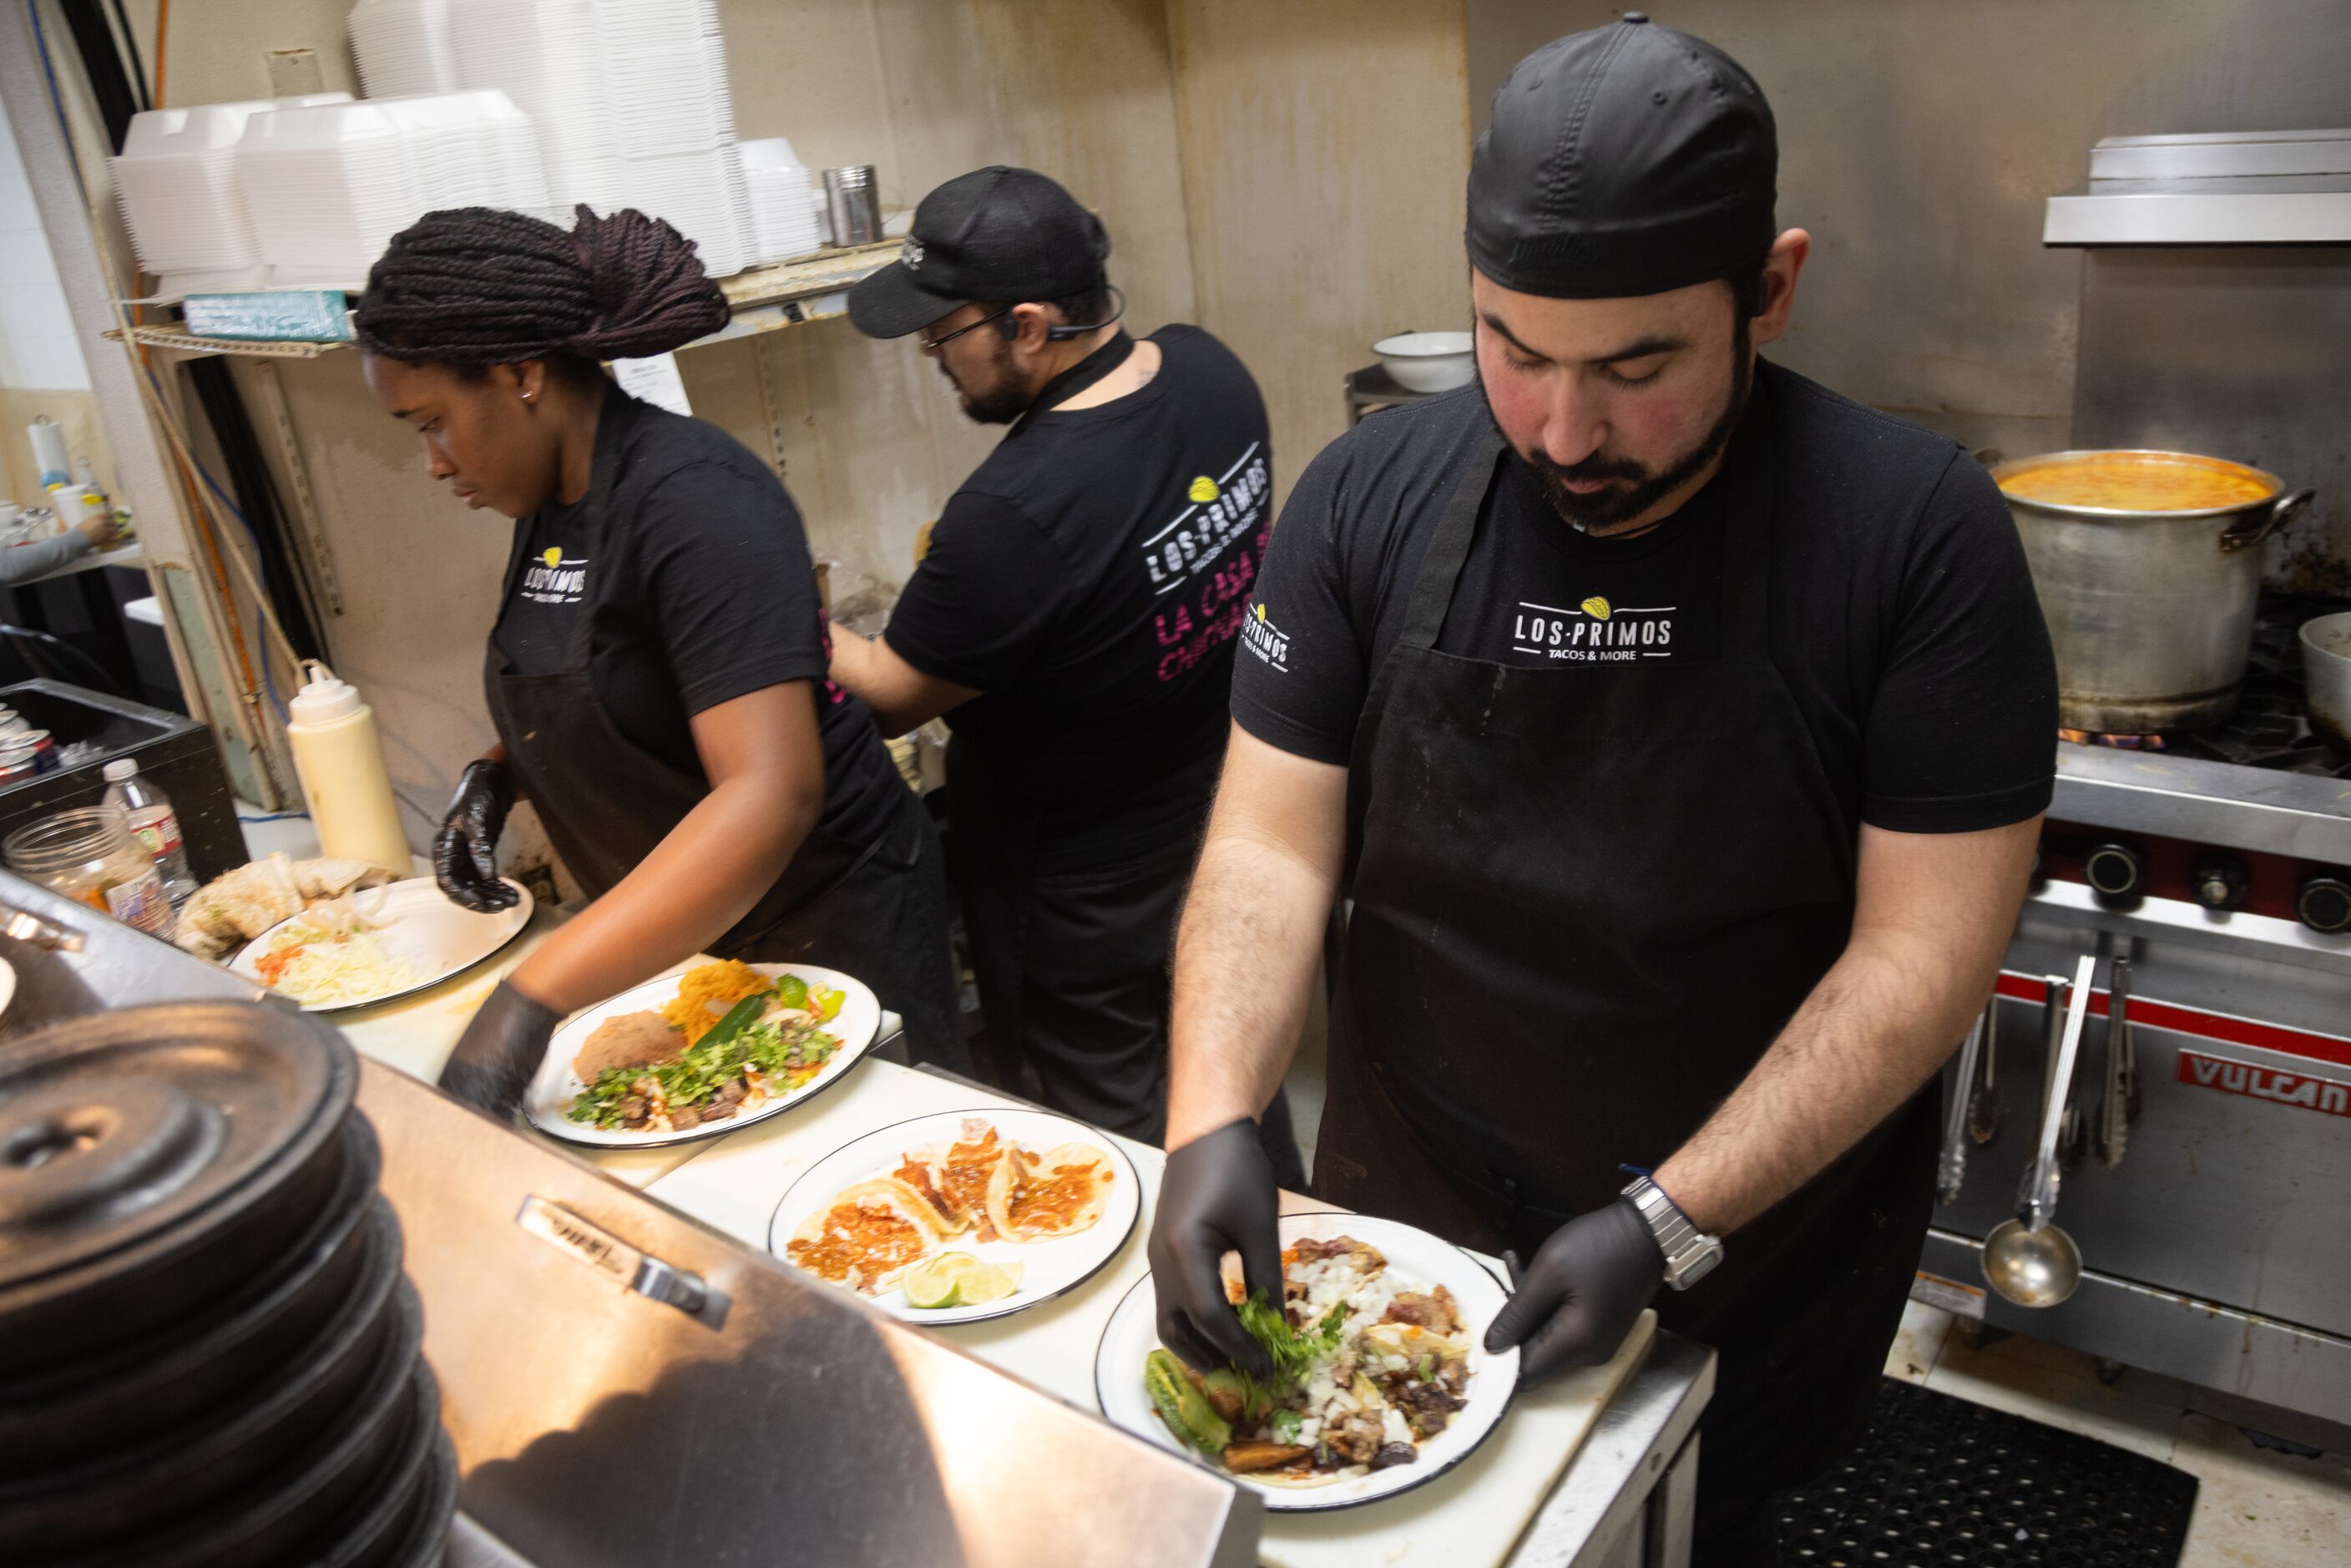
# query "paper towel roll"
(49, 451)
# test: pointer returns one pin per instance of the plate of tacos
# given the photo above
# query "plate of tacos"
(963, 1215)
(699, 1054)
(1381, 1379)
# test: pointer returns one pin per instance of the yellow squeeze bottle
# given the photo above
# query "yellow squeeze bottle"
(340, 760)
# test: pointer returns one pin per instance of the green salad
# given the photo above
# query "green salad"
(737, 1064)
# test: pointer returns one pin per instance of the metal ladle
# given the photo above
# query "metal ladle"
(2029, 1259)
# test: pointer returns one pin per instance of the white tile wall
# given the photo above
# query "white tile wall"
(38, 351)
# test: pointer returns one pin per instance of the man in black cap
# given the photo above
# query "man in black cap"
(1680, 731)
(1074, 619)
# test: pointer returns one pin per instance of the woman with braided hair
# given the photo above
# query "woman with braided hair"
(657, 672)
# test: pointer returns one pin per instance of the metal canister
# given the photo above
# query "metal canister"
(853, 204)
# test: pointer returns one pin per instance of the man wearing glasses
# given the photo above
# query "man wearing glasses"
(1074, 621)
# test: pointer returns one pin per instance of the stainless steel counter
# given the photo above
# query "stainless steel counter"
(597, 1424)
(1625, 1500)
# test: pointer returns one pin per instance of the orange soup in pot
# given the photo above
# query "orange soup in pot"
(2138, 482)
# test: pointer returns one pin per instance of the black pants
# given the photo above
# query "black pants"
(1071, 967)
(887, 922)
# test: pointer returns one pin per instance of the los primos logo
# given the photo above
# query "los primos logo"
(555, 579)
(1594, 632)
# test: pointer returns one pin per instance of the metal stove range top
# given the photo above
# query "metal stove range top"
(2259, 780)
(2270, 727)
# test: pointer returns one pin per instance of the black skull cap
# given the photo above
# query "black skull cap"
(1625, 160)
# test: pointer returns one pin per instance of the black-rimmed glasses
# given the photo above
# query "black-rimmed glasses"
(932, 345)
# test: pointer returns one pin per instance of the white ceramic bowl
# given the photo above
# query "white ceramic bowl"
(1428, 361)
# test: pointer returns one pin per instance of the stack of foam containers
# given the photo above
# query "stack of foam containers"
(472, 149)
(784, 201)
(665, 80)
(177, 184)
(547, 57)
(402, 47)
(330, 185)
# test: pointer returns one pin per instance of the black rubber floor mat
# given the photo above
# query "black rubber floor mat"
(1936, 1482)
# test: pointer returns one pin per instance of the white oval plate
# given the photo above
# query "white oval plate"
(554, 1085)
(422, 926)
(1048, 1269)
(1133, 1333)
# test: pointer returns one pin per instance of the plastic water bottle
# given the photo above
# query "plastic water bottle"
(154, 823)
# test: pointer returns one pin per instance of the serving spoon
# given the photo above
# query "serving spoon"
(2029, 1259)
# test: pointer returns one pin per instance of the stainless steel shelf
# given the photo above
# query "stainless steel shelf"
(2284, 187)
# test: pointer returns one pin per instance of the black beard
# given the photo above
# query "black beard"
(1002, 402)
(1639, 487)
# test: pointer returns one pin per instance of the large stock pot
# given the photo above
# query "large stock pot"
(2147, 567)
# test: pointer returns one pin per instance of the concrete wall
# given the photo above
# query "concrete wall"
(1247, 177)
(1919, 140)
(1290, 175)
(41, 367)
(1325, 150)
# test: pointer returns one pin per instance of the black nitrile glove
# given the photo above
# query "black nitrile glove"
(1218, 1197)
(499, 1052)
(1588, 1283)
(466, 849)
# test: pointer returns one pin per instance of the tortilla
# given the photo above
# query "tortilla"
(631, 1040)
(868, 1236)
(1065, 1191)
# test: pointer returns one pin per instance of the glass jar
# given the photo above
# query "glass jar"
(88, 854)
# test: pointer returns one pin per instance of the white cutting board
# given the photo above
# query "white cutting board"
(1469, 1518)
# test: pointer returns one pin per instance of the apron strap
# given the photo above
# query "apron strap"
(1448, 547)
(613, 420)
(1747, 530)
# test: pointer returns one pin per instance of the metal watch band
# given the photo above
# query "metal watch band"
(1690, 1253)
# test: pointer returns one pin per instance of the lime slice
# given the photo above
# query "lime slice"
(990, 1282)
(934, 1282)
(958, 1280)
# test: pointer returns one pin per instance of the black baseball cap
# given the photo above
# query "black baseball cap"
(1628, 159)
(997, 234)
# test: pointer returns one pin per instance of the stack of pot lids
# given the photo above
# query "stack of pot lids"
(208, 1353)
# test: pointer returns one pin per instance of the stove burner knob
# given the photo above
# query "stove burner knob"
(2323, 902)
(2114, 872)
(2220, 881)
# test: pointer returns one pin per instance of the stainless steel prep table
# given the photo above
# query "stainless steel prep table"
(1624, 1499)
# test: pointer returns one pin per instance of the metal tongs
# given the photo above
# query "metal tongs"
(1960, 1121)
(2036, 1201)
(2119, 1108)
(1983, 1097)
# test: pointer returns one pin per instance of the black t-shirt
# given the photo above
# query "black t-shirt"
(701, 592)
(1088, 580)
(1902, 615)
(1536, 591)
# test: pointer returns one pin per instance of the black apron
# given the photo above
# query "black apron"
(604, 800)
(1585, 902)
(1070, 959)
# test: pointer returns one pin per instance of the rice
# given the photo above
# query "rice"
(706, 992)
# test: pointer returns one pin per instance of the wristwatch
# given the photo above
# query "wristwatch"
(1690, 1253)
